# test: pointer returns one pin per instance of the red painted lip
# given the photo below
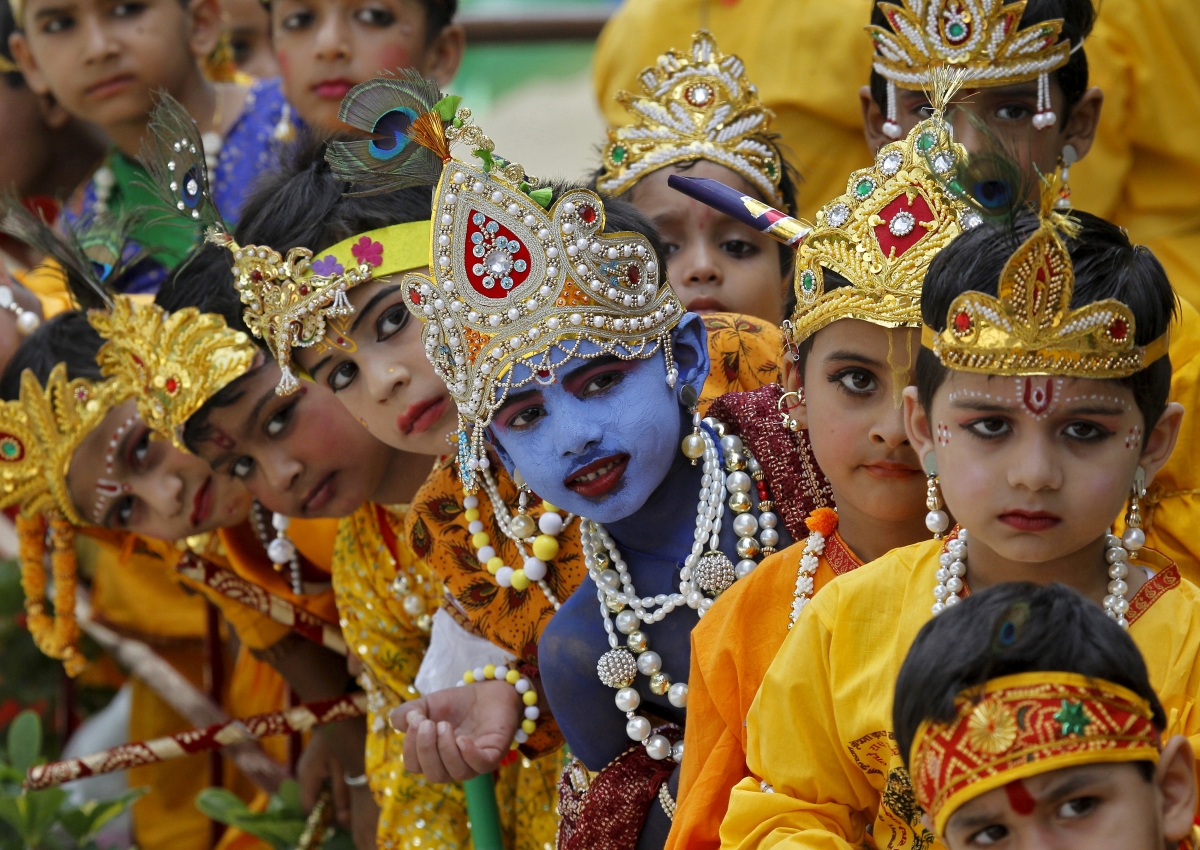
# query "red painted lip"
(422, 416)
(202, 503)
(706, 304)
(332, 89)
(110, 86)
(601, 484)
(1030, 520)
(319, 496)
(890, 469)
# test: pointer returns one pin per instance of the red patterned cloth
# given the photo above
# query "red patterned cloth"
(609, 813)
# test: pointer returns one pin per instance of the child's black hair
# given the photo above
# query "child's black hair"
(830, 280)
(1005, 630)
(1107, 265)
(1078, 16)
(304, 204)
(439, 14)
(65, 338)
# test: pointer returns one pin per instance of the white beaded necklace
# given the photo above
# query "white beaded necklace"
(952, 572)
(703, 570)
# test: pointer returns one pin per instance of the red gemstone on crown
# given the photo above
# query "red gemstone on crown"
(415, 296)
(172, 385)
(1118, 330)
(304, 290)
(256, 276)
(962, 322)
(588, 213)
(634, 275)
(543, 373)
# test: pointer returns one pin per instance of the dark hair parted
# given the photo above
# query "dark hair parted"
(1078, 17)
(1008, 629)
(302, 204)
(1107, 265)
(65, 338)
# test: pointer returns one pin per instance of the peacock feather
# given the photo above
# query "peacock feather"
(406, 116)
(94, 253)
(173, 154)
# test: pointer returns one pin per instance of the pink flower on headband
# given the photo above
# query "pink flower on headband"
(327, 266)
(367, 251)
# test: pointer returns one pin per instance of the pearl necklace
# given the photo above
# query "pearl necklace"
(702, 571)
(951, 574)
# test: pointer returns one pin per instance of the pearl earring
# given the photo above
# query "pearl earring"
(1069, 157)
(1134, 538)
(693, 444)
(937, 520)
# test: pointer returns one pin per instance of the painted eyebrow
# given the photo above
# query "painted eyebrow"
(1096, 410)
(600, 363)
(370, 305)
(1071, 784)
(52, 11)
(312, 373)
(516, 400)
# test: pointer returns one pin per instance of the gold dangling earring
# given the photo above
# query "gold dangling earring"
(1066, 159)
(1134, 538)
(785, 415)
(693, 444)
(937, 520)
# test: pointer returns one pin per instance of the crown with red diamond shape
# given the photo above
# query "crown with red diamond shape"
(1030, 329)
(882, 234)
(694, 107)
(516, 289)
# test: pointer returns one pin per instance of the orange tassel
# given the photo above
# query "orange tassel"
(428, 132)
(824, 521)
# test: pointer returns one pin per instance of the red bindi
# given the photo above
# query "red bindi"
(222, 439)
(1019, 798)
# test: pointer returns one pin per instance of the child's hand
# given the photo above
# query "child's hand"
(459, 733)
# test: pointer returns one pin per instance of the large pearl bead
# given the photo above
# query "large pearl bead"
(744, 568)
(768, 537)
(731, 443)
(658, 748)
(937, 521)
(738, 482)
(649, 663)
(281, 550)
(744, 525)
(678, 694)
(638, 728)
(522, 525)
(550, 523)
(628, 699)
(767, 519)
(627, 622)
(693, 446)
(1134, 539)
(535, 569)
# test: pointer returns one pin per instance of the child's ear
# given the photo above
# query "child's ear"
(916, 424)
(1080, 130)
(444, 54)
(793, 382)
(1176, 782)
(1160, 442)
(689, 342)
(19, 47)
(204, 19)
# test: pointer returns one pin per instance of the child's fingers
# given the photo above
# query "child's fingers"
(428, 757)
(451, 756)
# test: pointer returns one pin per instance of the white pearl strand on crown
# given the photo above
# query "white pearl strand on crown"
(951, 574)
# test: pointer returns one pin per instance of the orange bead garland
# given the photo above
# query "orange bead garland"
(57, 636)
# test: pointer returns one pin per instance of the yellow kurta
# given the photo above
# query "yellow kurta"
(813, 90)
(385, 595)
(1144, 171)
(819, 731)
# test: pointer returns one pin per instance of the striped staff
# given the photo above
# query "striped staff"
(302, 718)
(749, 211)
(231, 585)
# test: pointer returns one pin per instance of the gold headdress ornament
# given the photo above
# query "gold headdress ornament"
(982, 37)
(39, 434)
(173, 363)
(1023, 725)
(697, 107)
(1030, 329)
(884, 232)
(519, 284)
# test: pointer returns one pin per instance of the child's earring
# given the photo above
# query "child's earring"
(522, 524)
(1134, 538)
(282, 552)
(937, 520)
(785, 409)
(693, 444)
(891, 126)
(1066, 159)
(789, 347)
(284, 131)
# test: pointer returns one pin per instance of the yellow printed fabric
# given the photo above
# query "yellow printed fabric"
(819, 732)
(813, 90)
(385, 596)
(1143, 172)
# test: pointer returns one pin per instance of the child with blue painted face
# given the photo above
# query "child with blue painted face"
(565, 349)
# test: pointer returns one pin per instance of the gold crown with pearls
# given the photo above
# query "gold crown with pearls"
(172, 363)
(697, 107)
(39, 434)
(882, 234)
(982, 37)
(1031, 329)
(516, 288)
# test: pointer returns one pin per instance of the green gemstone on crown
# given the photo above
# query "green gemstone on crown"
(925, 142)
(618, 155)
(864, 188)
(956, 30)
(807, 281)
(9, 448)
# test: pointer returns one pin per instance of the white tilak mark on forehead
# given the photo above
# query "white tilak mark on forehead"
(1039, 397)
(106, 488)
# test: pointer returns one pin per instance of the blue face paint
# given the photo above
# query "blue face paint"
(606, 419)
